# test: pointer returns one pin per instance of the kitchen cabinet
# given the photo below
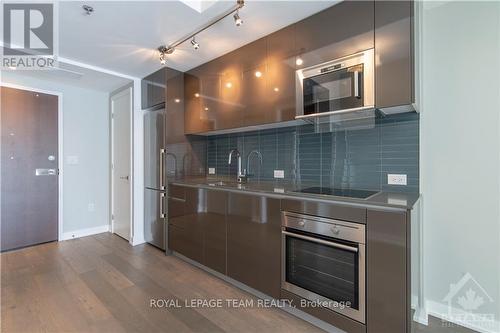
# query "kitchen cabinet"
(174, 108)
(254, 242)
(388, 272)
(185, 232)
(197, 226)
(153, 89)
(394, 69)
(228, 111)
(335, 32)
(252, 61)
(280, 76)
(199, 86)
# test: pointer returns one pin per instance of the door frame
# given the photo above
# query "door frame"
(60, 137)
(122, 91)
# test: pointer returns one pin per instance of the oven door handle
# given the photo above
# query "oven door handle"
(321, 241)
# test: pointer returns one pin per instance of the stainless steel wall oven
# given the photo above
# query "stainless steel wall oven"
(323, 261)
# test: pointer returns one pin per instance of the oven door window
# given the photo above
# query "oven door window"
(324, 270)
(337, 90)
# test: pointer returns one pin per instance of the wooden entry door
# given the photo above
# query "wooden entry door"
(29, 175)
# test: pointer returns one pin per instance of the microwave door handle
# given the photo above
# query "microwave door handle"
(321, 241)
(357, 84)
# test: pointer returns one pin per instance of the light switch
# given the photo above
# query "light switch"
(72, 160)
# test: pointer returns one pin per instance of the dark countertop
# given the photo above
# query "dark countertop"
(404, 201)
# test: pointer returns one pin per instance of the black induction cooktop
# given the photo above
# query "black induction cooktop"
(339, 192)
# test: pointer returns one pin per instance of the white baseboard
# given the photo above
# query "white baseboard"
(85, 232)
(420, 316)
(440, 310)
(137, 241)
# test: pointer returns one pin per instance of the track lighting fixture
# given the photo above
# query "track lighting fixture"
(165, 50)
(237, 19)
(195, 44)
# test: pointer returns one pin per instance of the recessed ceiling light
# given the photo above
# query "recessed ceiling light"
(206, 109)
(177, 100)
(276, 89)
(229, 85)
(196, 95)
(299, 61)
(258, 73)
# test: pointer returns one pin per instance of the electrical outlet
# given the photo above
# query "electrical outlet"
(91, 207)
(395, 179)
(211, 171)
(279, 174)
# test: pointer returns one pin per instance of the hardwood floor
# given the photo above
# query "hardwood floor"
(102, 284)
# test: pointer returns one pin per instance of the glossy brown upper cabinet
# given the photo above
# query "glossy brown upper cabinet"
(280, 76)
(335, 32)
(256, 84)
(153, 89)
(197, 119)
(394, 66)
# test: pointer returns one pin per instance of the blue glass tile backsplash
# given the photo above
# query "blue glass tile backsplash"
(343, 158)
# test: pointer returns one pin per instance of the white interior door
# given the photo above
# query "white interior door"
(121, 113)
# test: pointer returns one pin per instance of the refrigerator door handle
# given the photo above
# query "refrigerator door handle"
(162, 199)
(162, 161)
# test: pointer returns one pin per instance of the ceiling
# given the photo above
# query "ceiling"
(76, 76)
(122, 36)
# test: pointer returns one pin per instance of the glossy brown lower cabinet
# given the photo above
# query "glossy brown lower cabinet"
(197, 226)
(254, 242)
(388, 272)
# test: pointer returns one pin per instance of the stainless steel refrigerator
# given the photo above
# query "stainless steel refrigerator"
(155, 181)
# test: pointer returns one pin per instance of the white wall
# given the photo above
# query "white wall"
(86, 135)
(460, 150)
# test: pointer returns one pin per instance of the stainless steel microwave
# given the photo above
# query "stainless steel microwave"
(338, 86)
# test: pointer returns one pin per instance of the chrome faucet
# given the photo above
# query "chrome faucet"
(259, 155)
(241, 178)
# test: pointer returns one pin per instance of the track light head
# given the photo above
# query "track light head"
(195, 44)
(237, 19)
(163, 51)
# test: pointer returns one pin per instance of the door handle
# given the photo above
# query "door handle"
(162, 199)
(46, 172)
(162, 159)
(124, 177)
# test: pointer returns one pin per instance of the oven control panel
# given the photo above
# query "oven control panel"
(349, 231)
